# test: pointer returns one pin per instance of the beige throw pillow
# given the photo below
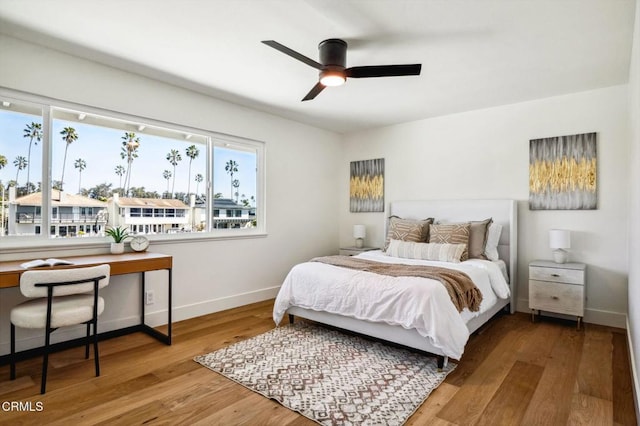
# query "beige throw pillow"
(478, 234)
(454, 233)
(407, 230)
(426, 251)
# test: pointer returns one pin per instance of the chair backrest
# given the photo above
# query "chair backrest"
(29, 279)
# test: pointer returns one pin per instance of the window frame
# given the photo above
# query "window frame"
(50, 105)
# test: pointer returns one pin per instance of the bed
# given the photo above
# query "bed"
(358, 301)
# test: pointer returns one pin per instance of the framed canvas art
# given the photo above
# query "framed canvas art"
(366, 186)
(562, 173)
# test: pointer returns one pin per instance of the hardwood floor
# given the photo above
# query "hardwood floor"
(513, 372)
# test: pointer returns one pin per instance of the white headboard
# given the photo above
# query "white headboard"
(504, 212)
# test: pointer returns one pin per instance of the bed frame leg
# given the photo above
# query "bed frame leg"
(442, 362)
(291, 319)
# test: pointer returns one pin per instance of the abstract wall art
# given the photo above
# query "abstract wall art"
(562, 173)
(366, 186)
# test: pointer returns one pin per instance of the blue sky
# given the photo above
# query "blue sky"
(100, 148)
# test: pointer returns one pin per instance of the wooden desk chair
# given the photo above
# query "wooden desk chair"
(61, 297)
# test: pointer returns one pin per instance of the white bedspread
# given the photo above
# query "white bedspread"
(410, 302)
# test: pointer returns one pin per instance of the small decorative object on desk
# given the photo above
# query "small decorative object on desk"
(139, 243)
(39, 263)
(119, 235)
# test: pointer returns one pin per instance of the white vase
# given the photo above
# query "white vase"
(117, 248)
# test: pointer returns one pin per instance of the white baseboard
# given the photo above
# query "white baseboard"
(634, 372)
(152, 319)
(214, 305)
(592, 316)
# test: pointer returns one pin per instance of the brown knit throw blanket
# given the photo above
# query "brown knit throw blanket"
(463, 292)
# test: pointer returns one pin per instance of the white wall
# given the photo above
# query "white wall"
(634, 210)
(301, 179)
(485, 154)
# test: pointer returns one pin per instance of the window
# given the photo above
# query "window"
(103, 165)
(20, 165)
(235, 183)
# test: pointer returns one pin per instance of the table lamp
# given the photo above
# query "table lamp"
(359, 232)
(560, 239)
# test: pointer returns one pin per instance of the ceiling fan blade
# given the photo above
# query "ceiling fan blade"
(284, 49)
(383, 71)
(319, 87)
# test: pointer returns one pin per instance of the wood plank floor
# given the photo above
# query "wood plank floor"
(513, 372)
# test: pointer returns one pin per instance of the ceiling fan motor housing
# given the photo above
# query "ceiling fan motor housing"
(333, 52)
(333, 57)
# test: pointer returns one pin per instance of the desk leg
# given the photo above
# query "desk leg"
(170, 307)
(165, 338)
(142, 299)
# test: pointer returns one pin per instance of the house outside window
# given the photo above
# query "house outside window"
(98, 155)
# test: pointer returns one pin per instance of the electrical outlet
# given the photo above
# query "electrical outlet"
(149, 297)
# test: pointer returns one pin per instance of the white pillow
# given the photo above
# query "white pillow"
(426, 251)
(493, 237)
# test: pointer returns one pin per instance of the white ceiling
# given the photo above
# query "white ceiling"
(474, 53)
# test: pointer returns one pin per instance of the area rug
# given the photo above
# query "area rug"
(331, 377)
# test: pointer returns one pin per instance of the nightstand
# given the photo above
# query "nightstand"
(557, 287)
(352, 251)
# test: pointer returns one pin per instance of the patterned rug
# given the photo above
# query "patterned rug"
(330, 377)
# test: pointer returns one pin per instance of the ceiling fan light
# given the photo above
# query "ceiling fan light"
(332, 79)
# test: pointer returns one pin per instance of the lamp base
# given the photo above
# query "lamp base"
(359, 242)
(560, 256)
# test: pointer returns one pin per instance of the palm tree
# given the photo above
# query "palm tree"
(192, 152)
(199, 178)
(130, 145)
(236, 184)
(32, 131)
(21, 163)
(80, 164)
(174, 158)
(120, 171)
(3, 161)
(69, 135)
(167, 175)
(231, 167)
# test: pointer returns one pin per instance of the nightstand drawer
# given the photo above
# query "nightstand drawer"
(559, 275)
(560, 298)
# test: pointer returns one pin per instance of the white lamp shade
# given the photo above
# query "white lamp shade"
(559, 239)
(359, 231)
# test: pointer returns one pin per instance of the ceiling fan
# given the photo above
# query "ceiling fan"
(332, 65)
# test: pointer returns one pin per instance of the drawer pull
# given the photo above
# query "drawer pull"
(555, 275)
(555, 297)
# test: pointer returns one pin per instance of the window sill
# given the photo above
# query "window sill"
(31, 244)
